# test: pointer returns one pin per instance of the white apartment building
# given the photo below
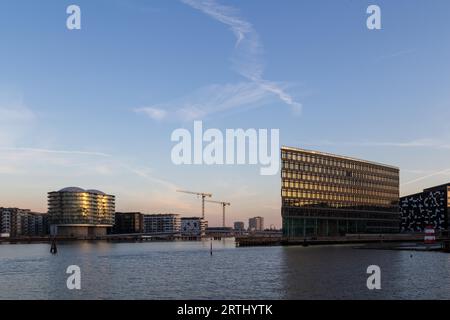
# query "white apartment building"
(162, 223)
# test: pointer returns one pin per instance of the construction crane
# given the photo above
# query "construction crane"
(224, 204)
(199, 194)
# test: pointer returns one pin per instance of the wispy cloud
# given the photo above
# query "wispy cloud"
(50, 151)
(15, 113)
(15, 118)
(23, 160)
(431, 175)
(419, 143)
(248, 53)
(247, 61)
(152, 112)
(147, 173)
(46, 167)
(397, 54)
(210, 100)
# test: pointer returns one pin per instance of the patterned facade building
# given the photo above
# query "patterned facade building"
(429, 208)
(193, 226)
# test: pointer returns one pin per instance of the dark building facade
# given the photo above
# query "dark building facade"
(330, 195)
(256, 224)
(128, 222)
(427, 208)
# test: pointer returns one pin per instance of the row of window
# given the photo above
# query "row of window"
(340, 173)
(82, 213)
(81, 204)
(302, 186)
(304, 177)
(324, 223)
(351, 213)
(335, 162)
(83, 221)
(80, 196)
(77, 204)
(78, 201)
(335, 201)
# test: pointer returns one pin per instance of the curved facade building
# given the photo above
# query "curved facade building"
(80, 213)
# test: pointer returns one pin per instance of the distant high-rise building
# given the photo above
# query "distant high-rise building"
(193, 226)
(239, 226)
(15, 222)
(328, 195)
(128, 222)
(256, 224)
(80, 213)
(430, 208)
(162, 223)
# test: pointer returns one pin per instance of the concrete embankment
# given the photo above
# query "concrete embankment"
(349, 239)
(109, 238)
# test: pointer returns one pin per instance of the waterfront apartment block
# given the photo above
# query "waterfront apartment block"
(128, 222)
(162, 223)
(77, 212)
(193, 227)
(15, 222)
(428, 208)
(5, 222)
(329, 195)
(256, 224)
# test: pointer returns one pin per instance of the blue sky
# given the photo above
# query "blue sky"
(96, 107)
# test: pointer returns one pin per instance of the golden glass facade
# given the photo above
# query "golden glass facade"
(329, 195)
(77, 207)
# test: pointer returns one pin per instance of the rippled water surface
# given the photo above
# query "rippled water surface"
(186, 270)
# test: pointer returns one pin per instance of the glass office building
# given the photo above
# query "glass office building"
(330, 195)
(78, 212)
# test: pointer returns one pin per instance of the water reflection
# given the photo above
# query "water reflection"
(186, 270)
(339, 272)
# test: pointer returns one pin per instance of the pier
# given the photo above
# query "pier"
(442, 243)
(252, 241)
(133, 237)
(405, 242)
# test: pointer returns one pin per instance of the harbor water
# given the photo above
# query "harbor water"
(187, 270)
